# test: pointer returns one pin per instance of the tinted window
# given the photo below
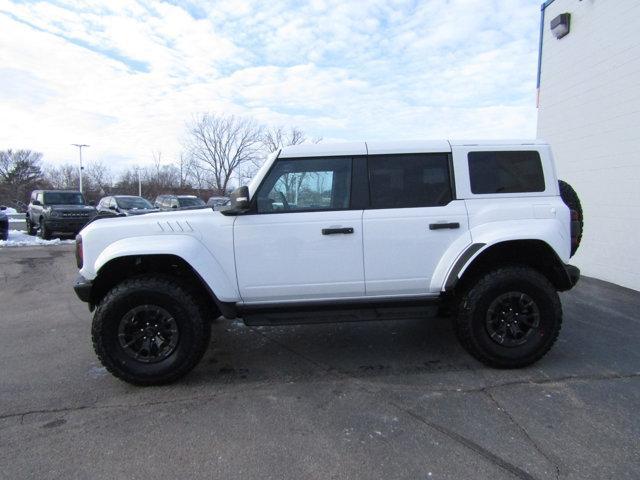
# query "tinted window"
(63, 198)
(129, 203)
(190, 202)
(505, 172)
(306, 184)
(409, 180)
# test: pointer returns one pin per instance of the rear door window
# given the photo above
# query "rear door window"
(409, 180)
(505, 172)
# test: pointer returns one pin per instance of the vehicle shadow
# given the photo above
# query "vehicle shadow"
(394, 350)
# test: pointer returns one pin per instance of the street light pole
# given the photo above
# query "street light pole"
(80, 145)
(139, 182)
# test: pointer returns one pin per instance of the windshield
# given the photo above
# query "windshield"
(190, 202)
(262, 171)
(129, 203)
(63, 198)
(218, 201)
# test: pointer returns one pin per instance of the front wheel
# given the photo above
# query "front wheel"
(44, 232)
(510, 318)
(31, 229)
(149, 331)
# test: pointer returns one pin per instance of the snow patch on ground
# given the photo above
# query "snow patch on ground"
(19, 238)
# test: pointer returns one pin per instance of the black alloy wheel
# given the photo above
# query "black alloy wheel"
(148, 333)
(512, 318)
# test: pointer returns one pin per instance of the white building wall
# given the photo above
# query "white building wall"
(589, 111)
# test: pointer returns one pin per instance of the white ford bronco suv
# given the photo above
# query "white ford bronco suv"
(329, 233)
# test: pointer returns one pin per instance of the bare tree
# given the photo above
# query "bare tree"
(274, 139)
(20, 167)
(100, 177)
(63, 176)
(20, 172)
(221, 144)
(184, 166)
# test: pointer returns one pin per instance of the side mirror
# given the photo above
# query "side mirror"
(2, 207)
(37, 203)
(92, 203)
(239, 202)
(174, 206)
(112, 207)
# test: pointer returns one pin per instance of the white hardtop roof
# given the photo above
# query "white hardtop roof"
(381, 148)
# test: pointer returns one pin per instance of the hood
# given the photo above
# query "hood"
(151, 231)
(122, 226)
(139, 211)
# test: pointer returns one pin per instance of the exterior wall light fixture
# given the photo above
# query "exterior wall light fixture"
(560, 25)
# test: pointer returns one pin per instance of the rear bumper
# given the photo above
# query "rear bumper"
(83, 288)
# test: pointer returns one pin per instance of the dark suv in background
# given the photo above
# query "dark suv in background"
(124, 205)
(178, 202)
(63, 211)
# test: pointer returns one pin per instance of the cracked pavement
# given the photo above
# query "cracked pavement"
(395, 399)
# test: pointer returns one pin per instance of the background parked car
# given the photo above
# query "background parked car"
(178, 202)
(4, 223)
(63, 211)
(125, 205)
(218, 203)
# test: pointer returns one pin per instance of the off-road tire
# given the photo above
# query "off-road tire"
(31, 230)
(571, 200)
(43, 231)
(470, 323)
(194, 330)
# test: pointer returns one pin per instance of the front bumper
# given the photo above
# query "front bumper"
(66, 226)
(83, 288)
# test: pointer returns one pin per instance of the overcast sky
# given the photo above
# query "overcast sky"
(125, 76)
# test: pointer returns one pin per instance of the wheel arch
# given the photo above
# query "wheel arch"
(117, 269)
(481, 258)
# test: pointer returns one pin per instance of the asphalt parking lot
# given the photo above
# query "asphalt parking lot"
(382, 400)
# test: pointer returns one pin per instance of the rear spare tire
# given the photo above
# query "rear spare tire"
(571, 200)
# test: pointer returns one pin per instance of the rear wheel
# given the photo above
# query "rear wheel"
(510, 318)
(149, 331)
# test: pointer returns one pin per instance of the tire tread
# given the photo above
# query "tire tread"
(159, 284)
(463, 319)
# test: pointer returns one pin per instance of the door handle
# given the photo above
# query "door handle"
(441, 226)
(334, 231)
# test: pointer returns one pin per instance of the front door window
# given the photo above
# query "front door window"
(308, 184)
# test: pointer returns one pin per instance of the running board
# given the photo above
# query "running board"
(339, 313)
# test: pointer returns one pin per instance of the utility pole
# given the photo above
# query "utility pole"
(139, 182)
(80, 145)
